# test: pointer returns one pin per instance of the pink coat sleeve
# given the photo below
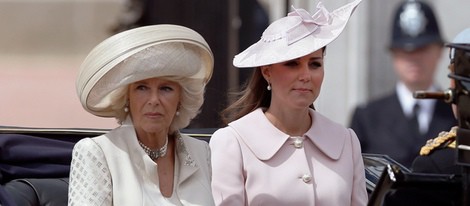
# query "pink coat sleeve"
(359, 195)
(227, 183)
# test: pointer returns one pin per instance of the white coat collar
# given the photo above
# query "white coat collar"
(185, 156)
(265, 140)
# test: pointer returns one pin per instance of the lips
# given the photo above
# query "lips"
(303, 89)
(153, 114)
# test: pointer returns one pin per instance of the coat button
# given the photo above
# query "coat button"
(306, 178)
(298, 142)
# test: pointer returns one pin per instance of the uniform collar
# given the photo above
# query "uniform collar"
(407, 101)
(267, 140)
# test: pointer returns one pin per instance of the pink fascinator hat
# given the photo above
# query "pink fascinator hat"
(296, 35)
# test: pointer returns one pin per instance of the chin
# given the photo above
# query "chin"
(303, 105)
(151, 128)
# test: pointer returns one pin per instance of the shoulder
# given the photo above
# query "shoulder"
(438, 155)
(322, 120)
(88, 148)
(192, 142)
(248, 124)
(331, 128)
(86, 144)
(225, 135)
(443, 140)
(335, 130)
(255, 116)
(376, 112)
(108, 144)
(192, 147)
(379, 103)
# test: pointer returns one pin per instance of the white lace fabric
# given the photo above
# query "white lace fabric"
(90, 180)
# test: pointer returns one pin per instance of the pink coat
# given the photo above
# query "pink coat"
(254, 163)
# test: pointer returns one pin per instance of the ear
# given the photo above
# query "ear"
(266, 72)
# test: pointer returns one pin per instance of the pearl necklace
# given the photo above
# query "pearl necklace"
(157, 153)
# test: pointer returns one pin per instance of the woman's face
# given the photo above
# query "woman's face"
(295, 83)
(153, 104)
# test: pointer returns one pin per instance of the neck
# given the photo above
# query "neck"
(154, 154)
(293, 123)
(418, 87)
(152, 140)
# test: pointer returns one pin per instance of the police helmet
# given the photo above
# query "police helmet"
(414, 26)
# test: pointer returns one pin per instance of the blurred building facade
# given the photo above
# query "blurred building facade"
(42, 44)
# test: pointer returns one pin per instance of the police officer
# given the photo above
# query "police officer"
(438, 154)
(397, 124)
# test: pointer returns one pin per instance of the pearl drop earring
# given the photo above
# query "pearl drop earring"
(178, 110)
(126, 107)
(268, 87)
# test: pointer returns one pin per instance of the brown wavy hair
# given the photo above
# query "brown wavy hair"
(253, 96)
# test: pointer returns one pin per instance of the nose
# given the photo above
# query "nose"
(304, 73)
(154, 98)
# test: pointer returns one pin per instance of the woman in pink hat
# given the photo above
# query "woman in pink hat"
(276, 149)
(152, 80)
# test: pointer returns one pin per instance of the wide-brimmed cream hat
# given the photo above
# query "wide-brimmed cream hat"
(138, 54)
(296, 35)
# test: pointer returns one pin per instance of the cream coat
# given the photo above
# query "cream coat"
(113, 169)
(254, 163)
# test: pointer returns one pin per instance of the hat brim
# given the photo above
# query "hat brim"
(271, 52)
(415, 43)
(94, 90)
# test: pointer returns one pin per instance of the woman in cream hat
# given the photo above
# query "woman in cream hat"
(276, 149)
(152, 80)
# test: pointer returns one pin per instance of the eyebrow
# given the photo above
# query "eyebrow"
(311, 58)
(316, 58)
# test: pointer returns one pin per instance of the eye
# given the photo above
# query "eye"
(141, 87)
(167, 88)
(291, 63)
(316, 64)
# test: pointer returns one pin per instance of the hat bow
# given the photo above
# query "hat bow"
(309, 23)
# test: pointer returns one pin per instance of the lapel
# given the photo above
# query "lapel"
(398, 124)
(328, 136)
(265, 140)
(127, 135)
(187, 164)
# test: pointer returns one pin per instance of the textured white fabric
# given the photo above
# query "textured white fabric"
(118, 172)
(90, 180)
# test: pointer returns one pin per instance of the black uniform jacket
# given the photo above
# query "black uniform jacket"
(383, 128)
